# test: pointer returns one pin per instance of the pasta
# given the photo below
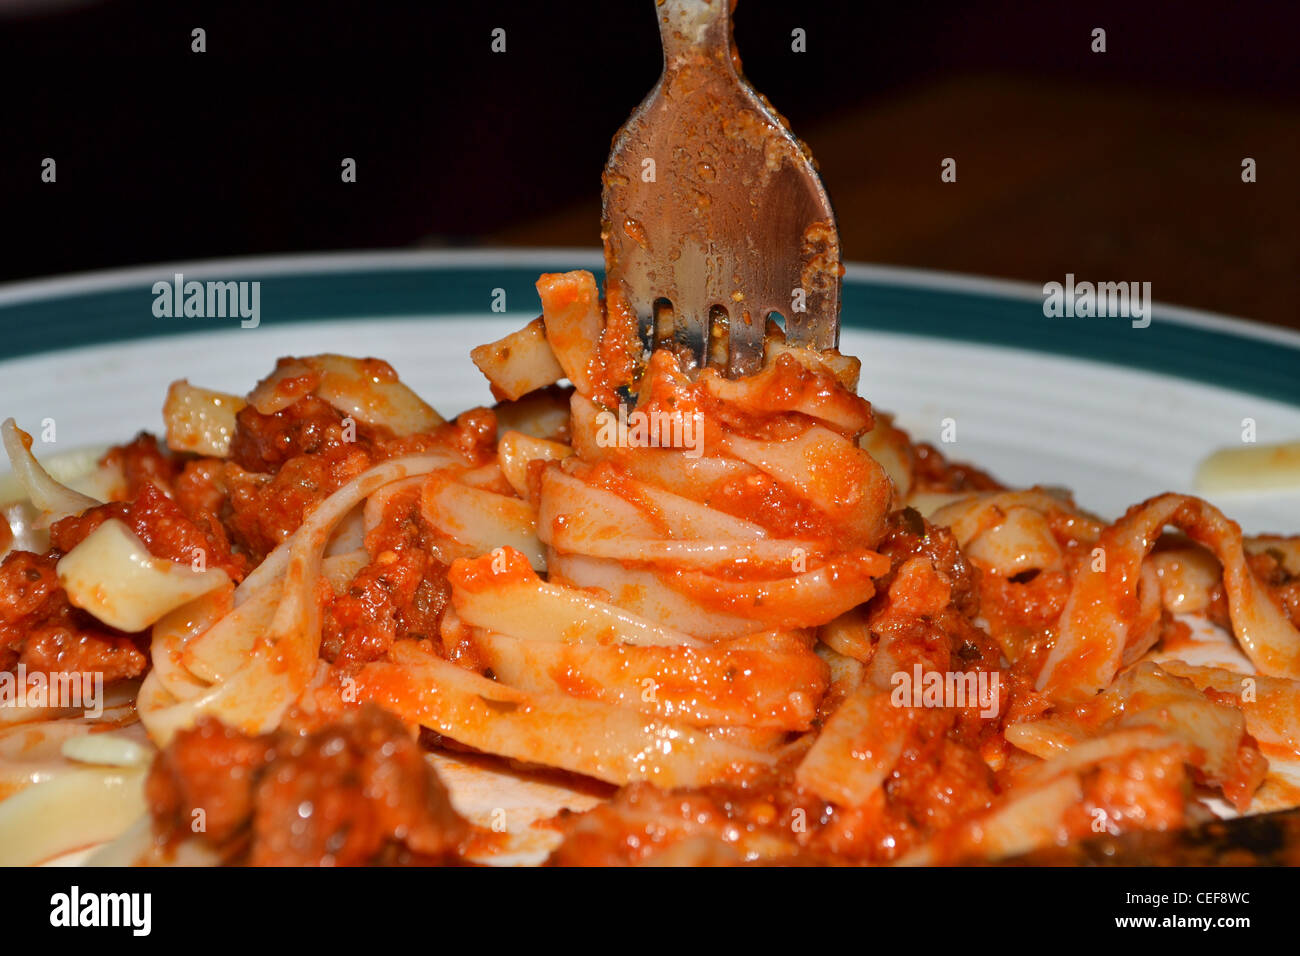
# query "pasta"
(759, 618)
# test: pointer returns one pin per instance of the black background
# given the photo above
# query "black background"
(164, 154)
(907, 908)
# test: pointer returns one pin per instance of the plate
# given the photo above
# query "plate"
(1114, 412)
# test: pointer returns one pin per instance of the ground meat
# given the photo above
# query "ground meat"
(162, 526)
(266, 509)
(642, 823)
(937, 783)
(1285, 586)
(67, 533)
(400, 595)
(283, 465)
(310, 426)
(934, 472)
(907, 534)
(474, 435)
(143, 462)
(1147, 789)
(973, 651)
(211, 768)
(356, 792)
(200, 488)
(42, 631)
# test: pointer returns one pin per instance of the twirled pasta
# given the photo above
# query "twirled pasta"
(756, 595)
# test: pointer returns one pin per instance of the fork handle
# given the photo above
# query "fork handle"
(688, 28)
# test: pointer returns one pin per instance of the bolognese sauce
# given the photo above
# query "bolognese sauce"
(511, 595)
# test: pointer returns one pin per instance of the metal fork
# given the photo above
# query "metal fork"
(713, 218)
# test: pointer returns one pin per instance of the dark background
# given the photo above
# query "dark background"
(1117, 166)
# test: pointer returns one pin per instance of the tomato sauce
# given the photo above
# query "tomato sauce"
(42, 631)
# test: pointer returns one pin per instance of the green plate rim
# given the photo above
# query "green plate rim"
(45, 316)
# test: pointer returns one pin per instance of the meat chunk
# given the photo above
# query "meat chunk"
(266, 509)
(162, 526)
(934, 472)
(357, 792)
(907, 534)
(143, 462)
(309, 426)
(643, 824)
(1271, 569)
(283, 464)
(42, 631)
(400, 595)
(204, 782)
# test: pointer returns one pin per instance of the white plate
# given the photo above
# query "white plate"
(941, 352)
(1114, 433)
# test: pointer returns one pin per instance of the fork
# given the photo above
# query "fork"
(714, 220)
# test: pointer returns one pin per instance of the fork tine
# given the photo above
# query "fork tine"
(645, 326)
(819, 327)
(692, 337)
(745, 342)
(820, 278)
(821, 332)
(710, 202)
